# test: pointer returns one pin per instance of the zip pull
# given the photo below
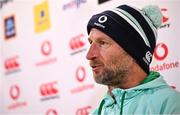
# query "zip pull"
(122, 102)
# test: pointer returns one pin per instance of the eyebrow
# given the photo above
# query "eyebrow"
(100, 39)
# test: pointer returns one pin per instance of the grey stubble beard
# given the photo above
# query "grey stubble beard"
(112, 77)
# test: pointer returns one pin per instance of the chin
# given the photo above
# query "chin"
(98, 79)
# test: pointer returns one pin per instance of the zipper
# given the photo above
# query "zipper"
(100, 107)
(122, 102)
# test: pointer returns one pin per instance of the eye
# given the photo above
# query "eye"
(104, 44)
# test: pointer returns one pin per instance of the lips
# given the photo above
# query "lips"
(96, 67)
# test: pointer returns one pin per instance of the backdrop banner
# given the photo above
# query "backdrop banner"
(43, 54)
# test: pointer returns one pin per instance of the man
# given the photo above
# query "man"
(122, 42)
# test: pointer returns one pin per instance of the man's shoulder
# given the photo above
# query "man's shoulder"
(167, 99)
(166, 93)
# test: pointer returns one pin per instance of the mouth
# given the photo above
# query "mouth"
(95, 67)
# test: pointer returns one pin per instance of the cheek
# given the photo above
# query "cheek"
(111, 60)
(117, 59)
(112, 57)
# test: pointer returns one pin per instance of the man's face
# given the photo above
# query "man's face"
(110, 63)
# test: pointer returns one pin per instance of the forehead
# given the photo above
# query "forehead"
(97, 34)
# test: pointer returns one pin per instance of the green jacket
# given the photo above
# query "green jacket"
(152, 97)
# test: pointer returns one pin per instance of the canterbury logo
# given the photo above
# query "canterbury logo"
(83, 111)
(48, 89)
(12, 64)
(77, 42)
(148, 57)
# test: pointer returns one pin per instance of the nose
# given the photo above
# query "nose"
(93, 52)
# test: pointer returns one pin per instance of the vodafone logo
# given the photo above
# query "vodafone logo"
(14, 92)
(51, 112)
(46, 48)
(165, 18)
(102, 19)
(82, 86)
(161, 51)
(80, 73)
(48, 89)
(83, 110)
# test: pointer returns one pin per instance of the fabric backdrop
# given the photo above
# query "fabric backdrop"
(43, 44)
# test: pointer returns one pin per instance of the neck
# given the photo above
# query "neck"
(134, 78)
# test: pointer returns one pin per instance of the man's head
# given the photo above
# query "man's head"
(133, 29)
(109, 62)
